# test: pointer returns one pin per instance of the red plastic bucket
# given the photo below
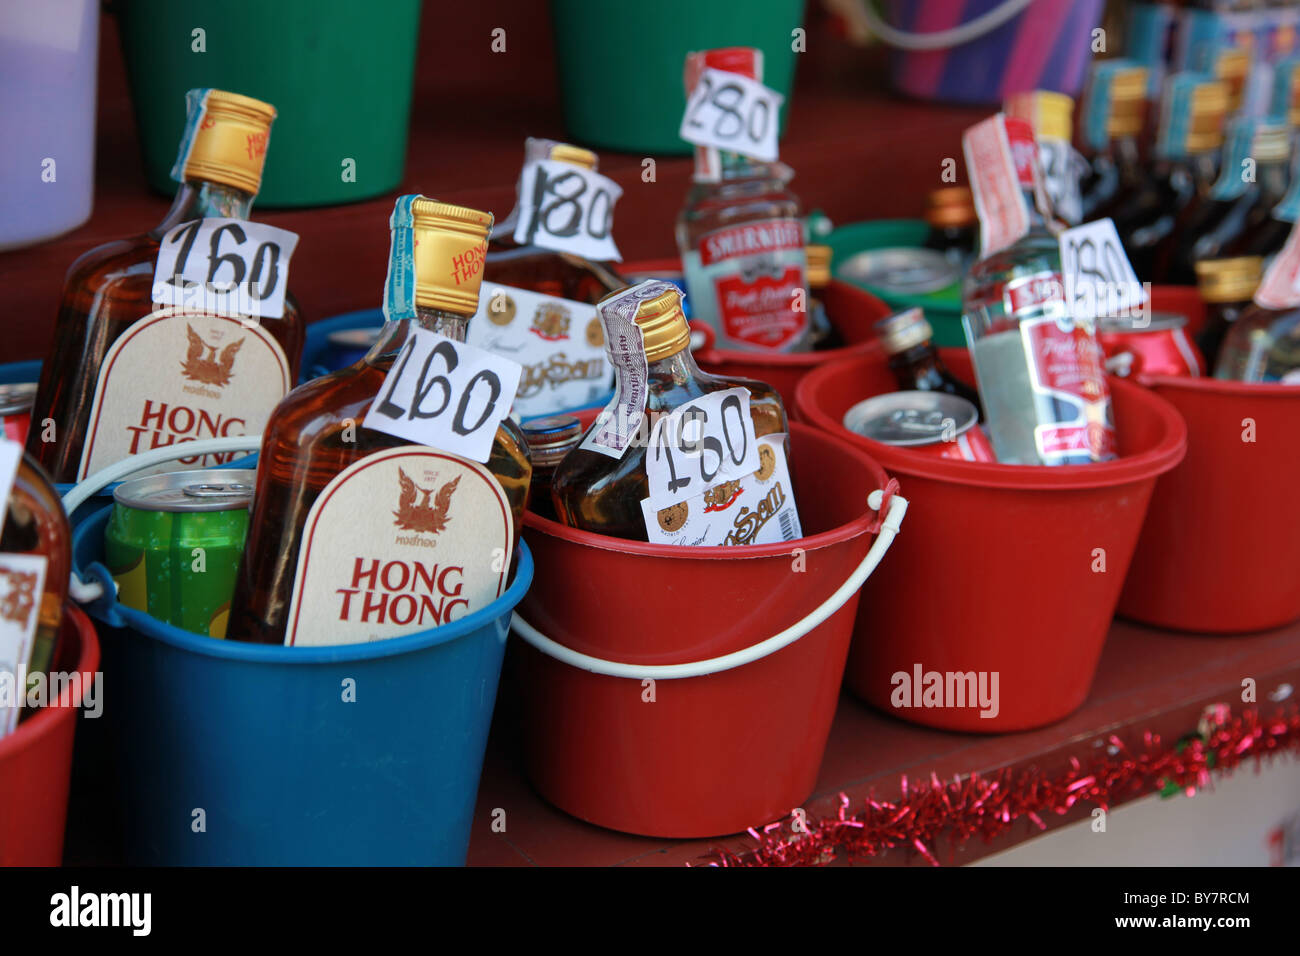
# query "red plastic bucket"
(36, 759)
(694, 756)
(1220, 550)
(851, 310)
(994, 573)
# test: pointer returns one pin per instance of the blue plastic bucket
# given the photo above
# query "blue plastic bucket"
(247, 754)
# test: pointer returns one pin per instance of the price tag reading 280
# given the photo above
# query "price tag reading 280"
(701, 443)
(445, 394)
(1099, 280)
(568, 208)
(226, 266)
(732, 112)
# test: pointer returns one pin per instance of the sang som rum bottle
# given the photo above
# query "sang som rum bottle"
(604, 484)
(1040, 372)
(127, 374)
(35, 562)
(356, 534)
(741, 237)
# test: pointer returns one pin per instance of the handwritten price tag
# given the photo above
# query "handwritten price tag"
(708, 440)
(734, 113)
(569, 209)
(1099, 280)
(226, 266)
(445, 394)
(11, 453)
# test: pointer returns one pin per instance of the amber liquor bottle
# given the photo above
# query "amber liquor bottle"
(602, 493)
(125, 374)
(35, 562)
(1227, 286)
(356, 534)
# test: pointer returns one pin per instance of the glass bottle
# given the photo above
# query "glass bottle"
(1267, 232)
(320, 466)
(1114, 118)
(950, 214)
(915, 361)
(1051, 115)
(824, 333)
(741, 237)
(110, 394)
(599, 493)
(1226, 285)
(35, 564)
(1263, 344)
(1040, 372)
(550, 439)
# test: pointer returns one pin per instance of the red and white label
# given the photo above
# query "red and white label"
(402, 541)
(772, 235)
(996, 184)
(1041, 293)
(1067, 364)
(176, 376)
(1280, 287)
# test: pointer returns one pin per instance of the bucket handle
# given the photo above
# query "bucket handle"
(943, 39)
(889, 526)
(86, 592)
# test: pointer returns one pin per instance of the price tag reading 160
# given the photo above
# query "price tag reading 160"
(702, 443)
(227, 266)
(445, 394)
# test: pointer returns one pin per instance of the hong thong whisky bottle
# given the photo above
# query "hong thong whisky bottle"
(741, 237)
(356, 534)
(632, 477)
(128, 373)
(35, 561)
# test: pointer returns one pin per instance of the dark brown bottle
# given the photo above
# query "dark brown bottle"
(954, 227)
(550, 439)
(914, 360)
(1113, 122)
(1227, 286)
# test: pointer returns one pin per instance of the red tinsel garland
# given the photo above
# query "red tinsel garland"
(990, 806)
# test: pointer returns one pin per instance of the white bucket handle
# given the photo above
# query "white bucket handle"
(888, 529)
(85, 592)
(944, 39)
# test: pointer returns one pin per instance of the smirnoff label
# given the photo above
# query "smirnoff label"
(404, 540)
(999, 173)
(748, 282)
(1067, 367)
(756, 508)
(22, 582)
(176, 376)
(560, 344)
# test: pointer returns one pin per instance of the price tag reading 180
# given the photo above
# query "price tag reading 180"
(1099, 280)
(708, 440)
(226, 266)
(445, 394)
(732, 112)
(568, 208)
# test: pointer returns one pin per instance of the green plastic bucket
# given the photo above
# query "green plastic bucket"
(338, 72)
(942, 307)
(620, 64)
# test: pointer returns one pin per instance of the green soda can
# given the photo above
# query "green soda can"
(174, 542)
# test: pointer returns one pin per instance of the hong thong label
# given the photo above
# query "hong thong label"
(755, 508)
(176, 376)
(560, 344)
(402, 541)
(22, 582)
(1066, 365)
(748, 282)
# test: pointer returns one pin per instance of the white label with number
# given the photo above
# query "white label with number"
(445, 394)
(568, 208)
(226, 267)
(706, 441)
(734, 113)
(1099, 280)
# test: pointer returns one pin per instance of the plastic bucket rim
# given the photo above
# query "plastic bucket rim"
(245, 651)
(30, 730)
(1214, 386)
(1149, 463)
(837, 535)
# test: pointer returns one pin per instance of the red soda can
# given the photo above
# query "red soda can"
(1161, 347)
(935, 423)
(16, 410)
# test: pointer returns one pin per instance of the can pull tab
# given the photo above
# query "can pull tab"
(210, 490)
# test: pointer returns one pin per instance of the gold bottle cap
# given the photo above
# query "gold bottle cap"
(1209, 104)
(663, 325)
(1271, 143)
(819, 266)
(903, 330)
(450, 245)
(1050, 114)
(951, 206)
(225, 139)
(1232, 66)
(1128, 102)
(574, 155)
(1229, 280)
